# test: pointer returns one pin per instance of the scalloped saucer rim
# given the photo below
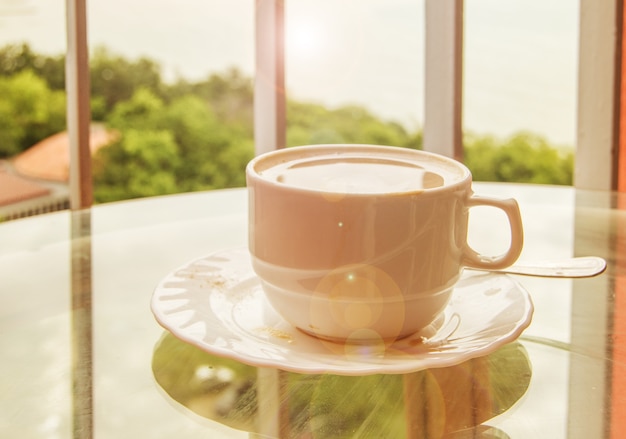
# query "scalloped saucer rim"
(216, 303)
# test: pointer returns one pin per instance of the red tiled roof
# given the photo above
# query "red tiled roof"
(14, 188)
(50, 158)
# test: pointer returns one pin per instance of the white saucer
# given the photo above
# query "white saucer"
(216, 303)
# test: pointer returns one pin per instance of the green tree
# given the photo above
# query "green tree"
(144, 161)
(141, 164)
(314, 124)
(29, 112)
(185, 146)
(229, 95)
(143, 110)
(16, 58)
(215, 153)
(523, 158)
(199, 135)
(114, 79)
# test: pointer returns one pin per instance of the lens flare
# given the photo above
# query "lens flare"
(358, 303)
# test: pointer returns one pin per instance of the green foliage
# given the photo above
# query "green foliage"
(230, 95)
(16, 58)
(214, 153)
(114, 79)
(523, 158)
(192, 136)
(167, 148)
(141, 111)
(200, 137)
(139, 165)
(29, 112)
(212, 136)
(315, 124)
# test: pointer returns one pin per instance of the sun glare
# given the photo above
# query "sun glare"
(305, 39)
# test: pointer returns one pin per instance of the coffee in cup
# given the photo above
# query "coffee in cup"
(361, 243)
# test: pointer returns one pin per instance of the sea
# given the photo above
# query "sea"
(520, 56)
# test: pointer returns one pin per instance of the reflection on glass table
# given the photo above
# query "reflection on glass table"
(78, 337)
(429, 403)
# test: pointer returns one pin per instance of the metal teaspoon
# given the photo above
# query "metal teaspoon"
(587, 266)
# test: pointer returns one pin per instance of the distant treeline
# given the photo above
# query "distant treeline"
(188, 136)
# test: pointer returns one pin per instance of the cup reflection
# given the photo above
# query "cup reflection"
(449, 402)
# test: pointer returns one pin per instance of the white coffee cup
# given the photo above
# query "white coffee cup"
(361, 243)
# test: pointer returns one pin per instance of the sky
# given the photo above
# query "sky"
(520, 66)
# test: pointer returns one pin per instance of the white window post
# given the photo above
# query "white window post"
(269, 83)
(443, 127)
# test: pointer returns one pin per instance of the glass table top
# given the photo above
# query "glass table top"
(83, 356)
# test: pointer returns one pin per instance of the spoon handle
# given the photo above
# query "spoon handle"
(587, 266)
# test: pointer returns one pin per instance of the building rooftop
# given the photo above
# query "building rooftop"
(14, 188)
(50, 158)
(36, 181)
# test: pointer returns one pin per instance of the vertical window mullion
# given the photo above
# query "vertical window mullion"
(77, 86)
(597, 96)
(443, 131)
(269, 84)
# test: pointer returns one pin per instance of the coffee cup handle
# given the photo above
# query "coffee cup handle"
(474, 259)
